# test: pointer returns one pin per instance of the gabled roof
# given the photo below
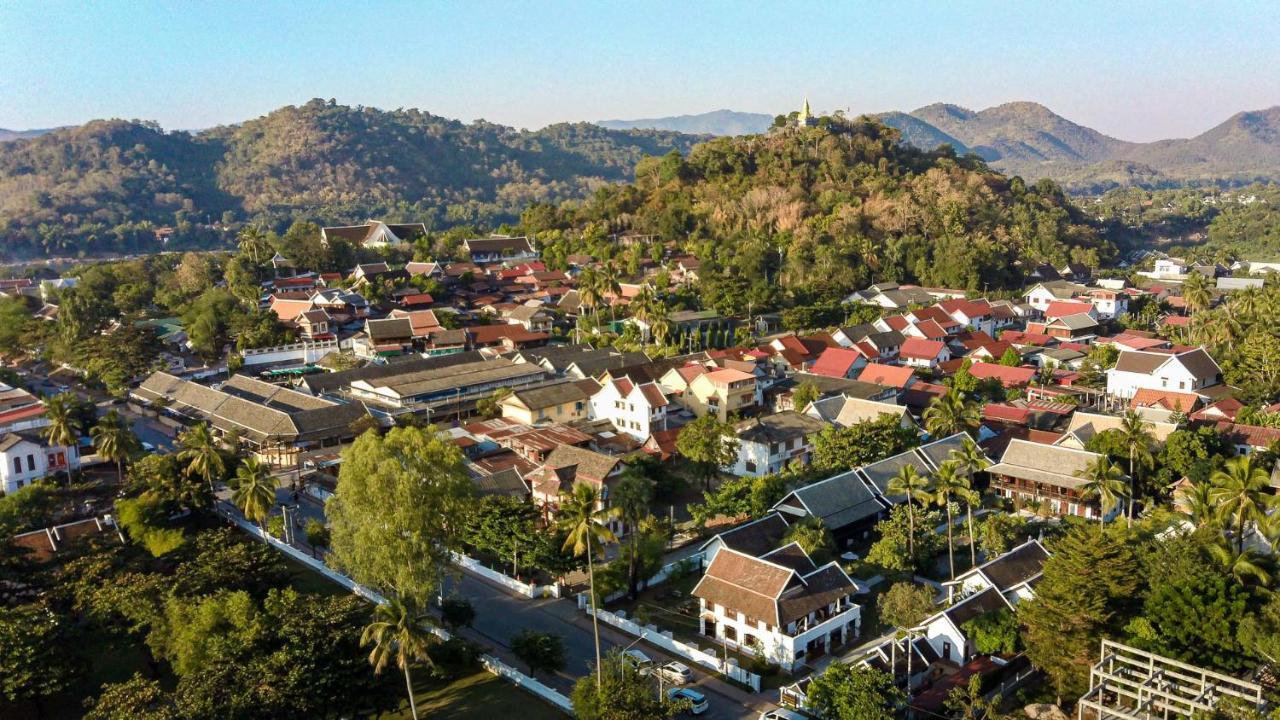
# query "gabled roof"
(839, 501)
(1050, 464)
(1008, 376)
(836, 362)
(1063, 308)
(889, 375)
(778, 428)
(756, 537)
(921, 349)
(778, 589)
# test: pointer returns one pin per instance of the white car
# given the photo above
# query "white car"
(782, 714)
(639, 661)
(675, 673)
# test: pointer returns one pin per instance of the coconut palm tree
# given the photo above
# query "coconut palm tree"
(1195, 290)
(1242, 564)
(1197, 504)
(1104, 481)
(399, 631)
(949, 414)
(610, 285)
(588, 286)
(586, 524)
(630, 498)
(63, 428)
(950, 483)
(254, 490)
(252, 241)
(911, 483)
(1240, 494)
(202, 453)
(115, 441)
(973, 460)
(1135, 436)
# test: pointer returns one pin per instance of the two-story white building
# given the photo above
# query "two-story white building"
(1188, 371)
(637, 409)
(780, 604)
(25, 457)
(768, 444)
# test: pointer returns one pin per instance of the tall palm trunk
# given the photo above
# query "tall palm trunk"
(973, 550)
(951, 553)
(1132, 491)
(911, 529)
(413, 704)
(595, 623)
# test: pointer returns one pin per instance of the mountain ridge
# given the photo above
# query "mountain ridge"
(1029, 139)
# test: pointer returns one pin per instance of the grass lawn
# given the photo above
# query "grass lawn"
(305, 580)
(480, 695)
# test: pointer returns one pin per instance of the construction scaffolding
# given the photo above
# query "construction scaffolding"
(1132, 684)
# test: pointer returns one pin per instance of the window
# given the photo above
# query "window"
(750, 466)
(17, 464)
(31, 462)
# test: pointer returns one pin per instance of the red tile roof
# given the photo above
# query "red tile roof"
(1006, 413)
(887, 375)
(1008, 376)
(921, 349)
(1066, 308)
(1169, 400)
(835, 362)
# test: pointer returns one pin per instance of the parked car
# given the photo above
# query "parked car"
(675, 673)
(639, 661)
(697, 701)
(782, 714)
(148, 446)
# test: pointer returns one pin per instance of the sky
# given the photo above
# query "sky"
(1135, 70)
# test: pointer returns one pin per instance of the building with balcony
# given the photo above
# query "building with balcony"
(1050, 475)
(780, 604)
(768, 444)
(721, 393)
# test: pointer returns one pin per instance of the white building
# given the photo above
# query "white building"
(26, 457)
(1188, 371)
(768, 444)
(780, 604)
(635, 409)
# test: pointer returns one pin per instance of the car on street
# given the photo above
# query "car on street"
(782, 714)
(697, 701)
(639, 661)
(148, 446)
(676, 673)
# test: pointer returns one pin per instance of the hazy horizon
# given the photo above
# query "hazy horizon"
(1140, 72)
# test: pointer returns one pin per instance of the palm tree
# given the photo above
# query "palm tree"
(252, 242)
(610, 285)
(589, 290)
(1241, 564)
(631, 498)
(114, 440)
(1195, 290)
(1197, 503)
(910, 482)
(949, 483)
(1104, 481)
(254, 490)
(950, 414)
(201, 452)
(399, 630)
(1135, 436)
(63, 428)
(1240, 493)
(586, 522)
(973, 460)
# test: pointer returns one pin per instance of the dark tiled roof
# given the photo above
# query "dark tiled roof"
(756, 537)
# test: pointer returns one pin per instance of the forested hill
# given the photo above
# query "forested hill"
(814, 213)
(106, 185)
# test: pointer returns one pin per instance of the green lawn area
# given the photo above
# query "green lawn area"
(480, 695)
(305, 580)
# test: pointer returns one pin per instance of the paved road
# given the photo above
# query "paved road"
(499, 616)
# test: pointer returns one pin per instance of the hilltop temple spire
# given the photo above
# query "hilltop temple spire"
(806, 116)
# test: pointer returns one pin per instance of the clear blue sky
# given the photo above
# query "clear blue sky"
(1137, 70)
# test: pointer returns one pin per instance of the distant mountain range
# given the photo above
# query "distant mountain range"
(8, 135)
(1030, 140)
